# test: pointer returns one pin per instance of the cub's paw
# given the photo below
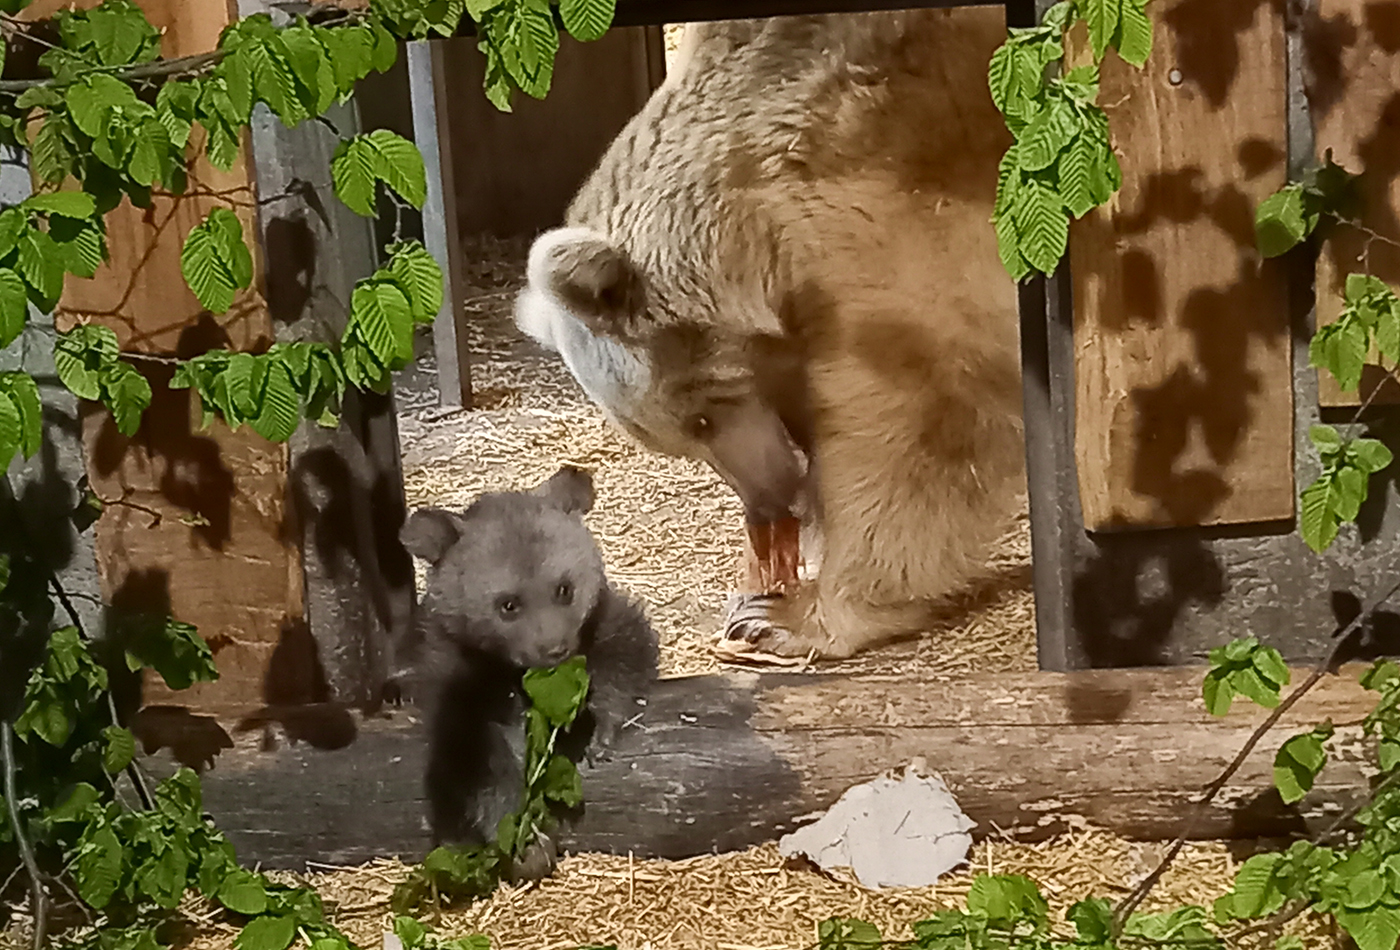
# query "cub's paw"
(538, 861)
(753, 633)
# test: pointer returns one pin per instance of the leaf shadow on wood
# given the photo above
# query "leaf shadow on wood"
(298, 695)
(189, 467)
(1207, 36)
(1130, 593)
(30, 523)
(193, 739)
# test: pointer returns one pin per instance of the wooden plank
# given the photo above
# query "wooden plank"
(517, 172)
(431, 100)
(728, 761)
(1184, 409)
(1352, 96)
(219, 558)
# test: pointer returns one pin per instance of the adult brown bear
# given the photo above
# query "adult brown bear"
(784, 266)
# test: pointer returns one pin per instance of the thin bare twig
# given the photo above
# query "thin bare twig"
(26, 852)
(1328, 663)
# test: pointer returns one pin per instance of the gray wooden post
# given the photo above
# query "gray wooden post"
(427, 89)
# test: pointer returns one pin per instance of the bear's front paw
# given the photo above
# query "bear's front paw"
(752, 627)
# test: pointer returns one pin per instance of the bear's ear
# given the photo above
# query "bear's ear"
(594, 279)
(570, 488)
(430, 532)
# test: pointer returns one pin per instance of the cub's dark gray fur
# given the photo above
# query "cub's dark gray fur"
(514, 581)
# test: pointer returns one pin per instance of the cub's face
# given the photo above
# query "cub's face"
(714, 380)
(516, 575)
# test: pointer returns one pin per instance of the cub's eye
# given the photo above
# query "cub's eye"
(564, 593)
(508, 606)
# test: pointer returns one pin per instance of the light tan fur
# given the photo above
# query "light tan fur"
(815, 192)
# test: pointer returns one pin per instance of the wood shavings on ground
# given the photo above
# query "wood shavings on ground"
(754, 900)
(671, 531)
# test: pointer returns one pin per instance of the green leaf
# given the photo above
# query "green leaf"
(11, 431)
(562, 782)
(399, 164)
(1365, 890)
(1269, 664)
(24, 393)
(1218, 692)
(77, 805)
(1377, 928)
(558, 693)
(1043, 225)
(267, 933)
(1052, 128)
(1317, 523)
(1006, 898)
(78, 354)
(121, 749)
(127, 396)
(1093, 919)
(1076, 176)
(243, 892)
(1347, 492)
(1135, 33)
(69, 204)
(1325, 439)
(150, 162)
(1369, 455)
(1388, 330)
(848, 933)
(420, 277)
(215, 261)
(1296, 766)
(1278, 222)
(1248, 683)
(99, 867)
(410, 932)
(1258, 890)
(120, 31)
(382, 313)
(1001, 74)
(353, 174)
(41, 265)
(281, 408)
(1102, 17)
(587, 20)
(175, 650)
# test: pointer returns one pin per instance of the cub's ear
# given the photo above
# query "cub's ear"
(594, 279)
(570, 488)
(430, 532)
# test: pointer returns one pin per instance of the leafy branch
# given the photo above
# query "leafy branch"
(1062, 163)
(556, 696)
(1369, 321)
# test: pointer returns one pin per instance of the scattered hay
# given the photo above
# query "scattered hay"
(671, 531)
(752, 900)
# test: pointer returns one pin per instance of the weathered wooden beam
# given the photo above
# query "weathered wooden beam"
(727, 761)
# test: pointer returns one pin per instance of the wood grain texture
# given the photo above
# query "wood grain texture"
(237, 575)
(727, 761)
(1184, 403)
(1352, 93)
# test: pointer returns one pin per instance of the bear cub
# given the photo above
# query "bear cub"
(515, 581)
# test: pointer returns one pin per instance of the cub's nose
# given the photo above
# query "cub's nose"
(558, 655)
